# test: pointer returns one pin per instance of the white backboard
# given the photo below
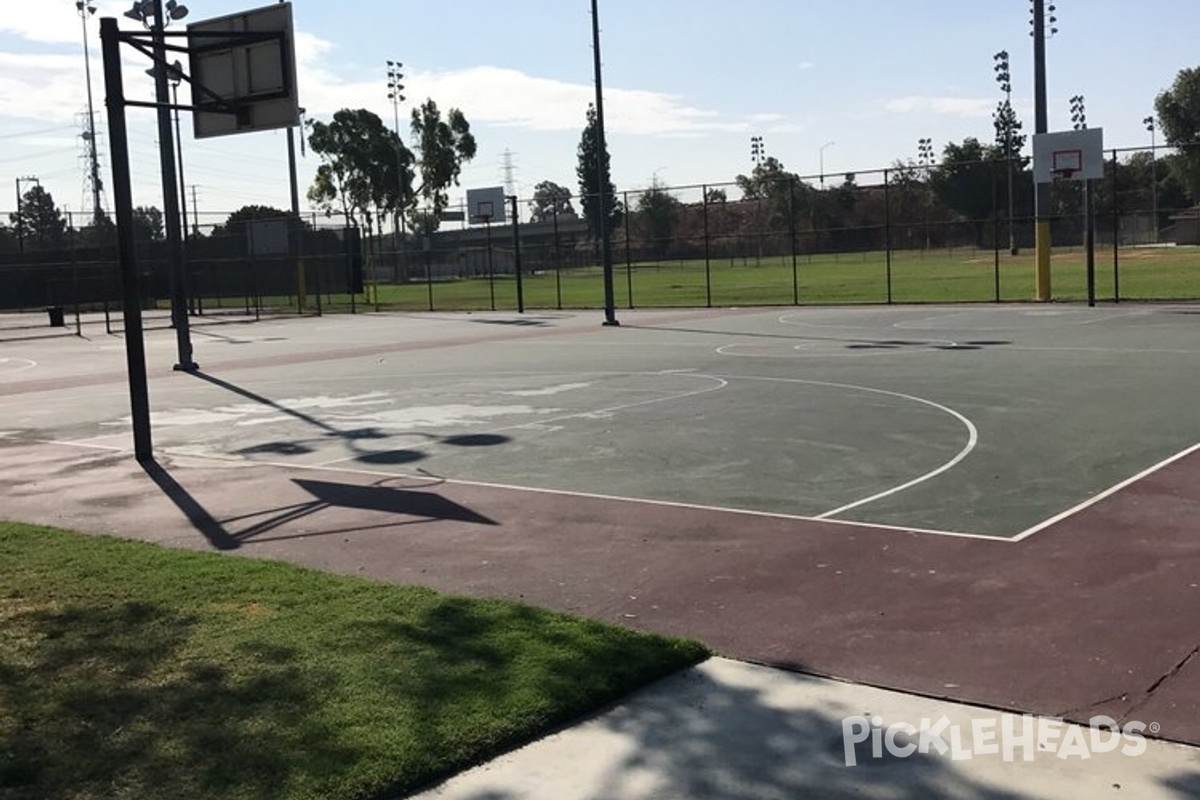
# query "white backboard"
(258, 78)
(1081, 150)
(486, 205)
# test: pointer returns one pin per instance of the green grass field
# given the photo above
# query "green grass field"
(1168, 273)
(134, 671)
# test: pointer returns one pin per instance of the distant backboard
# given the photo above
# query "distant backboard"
(247, 60)
(1069, 155)
(485, 205)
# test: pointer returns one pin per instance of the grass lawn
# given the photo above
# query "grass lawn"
(134, 671)
(943, 276)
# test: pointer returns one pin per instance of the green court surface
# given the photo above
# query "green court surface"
(977, 420)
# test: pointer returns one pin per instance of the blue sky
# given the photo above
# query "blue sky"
(687, 83)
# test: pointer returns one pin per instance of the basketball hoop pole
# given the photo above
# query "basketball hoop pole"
(131, 308)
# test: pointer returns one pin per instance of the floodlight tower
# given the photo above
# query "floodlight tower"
(1150, 126)
(395, 76)
(155, 17)
(925, 161)
(1042, 27)
(87, 8)
(758, 152)
(602, 177)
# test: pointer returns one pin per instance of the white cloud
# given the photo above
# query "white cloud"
(972, 107)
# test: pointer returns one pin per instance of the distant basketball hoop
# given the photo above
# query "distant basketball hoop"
(1068, 155)
(486, 206)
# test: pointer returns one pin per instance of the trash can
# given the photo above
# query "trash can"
(57, 319)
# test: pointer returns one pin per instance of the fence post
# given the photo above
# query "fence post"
(887, 232)
(996, 231)
(557, 261)
(792, 238)
(1116, 216)
(707, 253)
(517, 255)
(628, 255)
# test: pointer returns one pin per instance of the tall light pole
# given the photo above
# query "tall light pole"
(1079, 123)
(155, 17)
(1042, 29)
(610, 305)
(821, 160)
(758, 152)
(1005, 117)
(86, 8)
(175, 77)
(1150, 126)
(395, 76)
(925, 161)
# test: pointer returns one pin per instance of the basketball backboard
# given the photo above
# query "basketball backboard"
(485, 205)
(252, 69)
(1068, 155)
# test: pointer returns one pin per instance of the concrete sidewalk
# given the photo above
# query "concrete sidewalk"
(727, 730)
(731, 731)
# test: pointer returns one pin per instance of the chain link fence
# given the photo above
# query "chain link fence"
(906, 234)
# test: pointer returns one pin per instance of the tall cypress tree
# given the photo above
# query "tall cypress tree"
(590, 158)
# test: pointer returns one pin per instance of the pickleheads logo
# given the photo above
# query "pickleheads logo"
(1008, 736)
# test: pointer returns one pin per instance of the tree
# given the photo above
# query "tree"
(785, 195)
(444, 146)
(147, 224)
(235, 223)
(593, 171)
(716, 196)
(658, 210)
(1005, 121)
(39, 224)
(1179, 117)
(549, 201)
(967, 181)
(366, 170)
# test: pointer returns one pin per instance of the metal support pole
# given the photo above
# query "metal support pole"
(707, 253)
(610, 310)
(1116, 233)
(512, 200)
(297, 226)
(1041, 125)
(1090, 235)
(135, 346)
(175, 271)
(887, 233)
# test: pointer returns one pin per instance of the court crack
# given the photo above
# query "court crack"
(1144, 696)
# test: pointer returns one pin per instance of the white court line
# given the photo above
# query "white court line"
(1058, 315)
(28, 364)
(1070, 512)
(972, 436)
(925, 346)
(620, 498)
(999, 538)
